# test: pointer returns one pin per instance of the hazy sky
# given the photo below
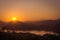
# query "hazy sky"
(29, 10)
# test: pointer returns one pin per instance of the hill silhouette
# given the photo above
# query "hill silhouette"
(47, 25)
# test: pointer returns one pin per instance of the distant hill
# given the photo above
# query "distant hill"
(47, 25)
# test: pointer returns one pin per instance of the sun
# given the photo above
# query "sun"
(14, 19)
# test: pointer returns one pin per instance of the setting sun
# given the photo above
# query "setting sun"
(14, 19)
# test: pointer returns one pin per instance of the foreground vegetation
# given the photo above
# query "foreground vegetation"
(27, 36)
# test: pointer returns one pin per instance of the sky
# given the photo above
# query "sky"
(29, 10)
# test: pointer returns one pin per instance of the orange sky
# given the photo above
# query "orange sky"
(29, 10)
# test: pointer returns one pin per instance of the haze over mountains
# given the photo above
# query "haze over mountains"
(46, 25)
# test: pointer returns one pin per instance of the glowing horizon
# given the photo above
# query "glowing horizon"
(29, 10)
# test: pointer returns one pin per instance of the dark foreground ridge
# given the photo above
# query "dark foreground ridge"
(27, 36)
